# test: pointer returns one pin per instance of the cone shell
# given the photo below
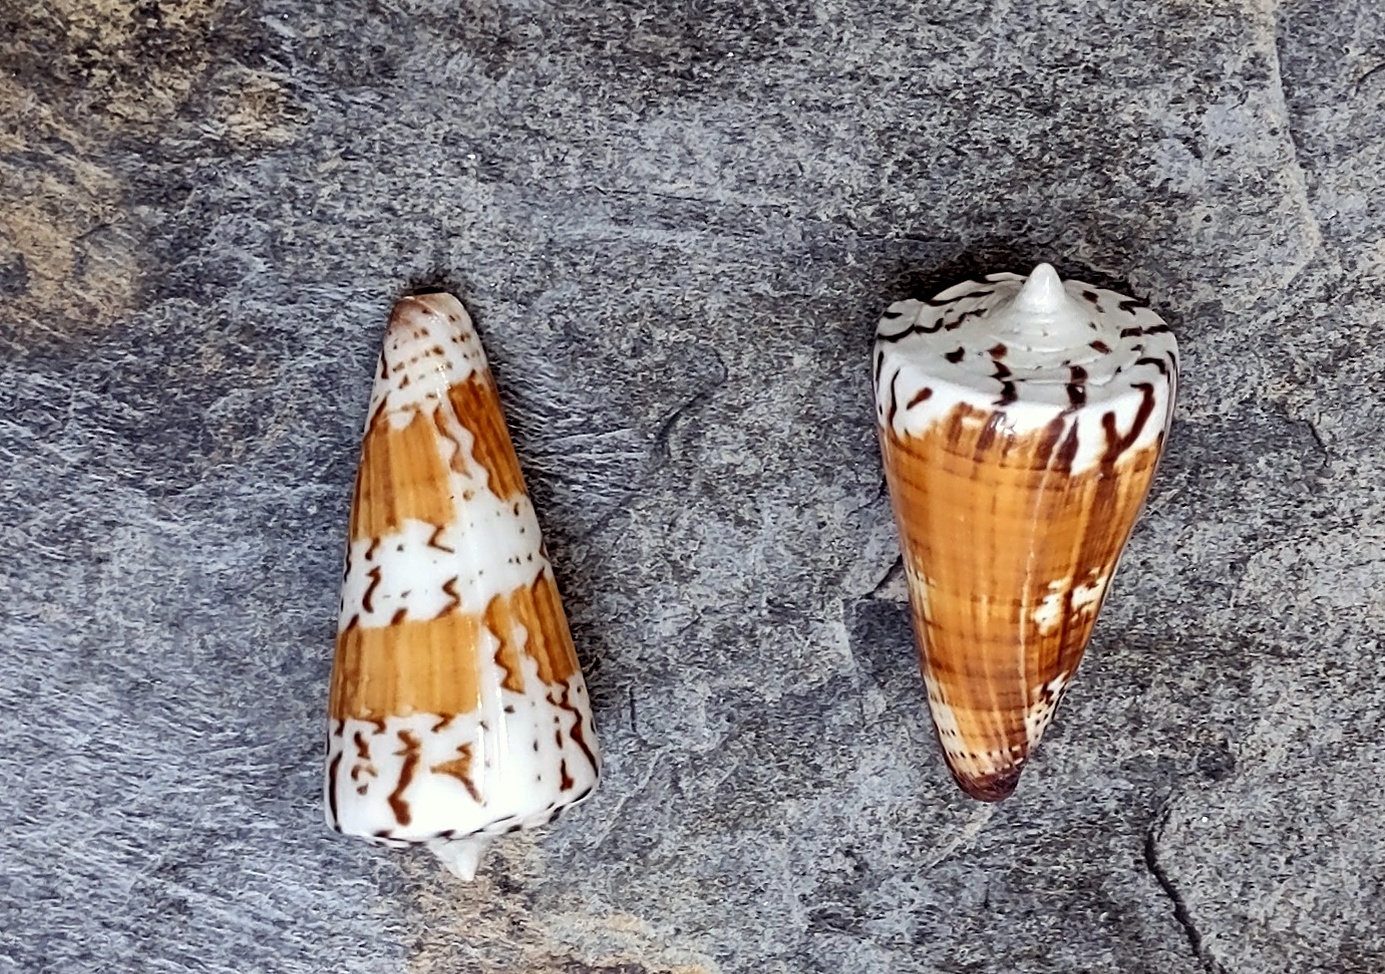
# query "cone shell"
(457, 707)
(1021, 421)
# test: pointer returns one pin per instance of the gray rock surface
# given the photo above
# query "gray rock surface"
(675, 225)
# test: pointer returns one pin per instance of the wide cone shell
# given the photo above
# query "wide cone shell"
(1008, 557)
(1014, 504)
(457, 705)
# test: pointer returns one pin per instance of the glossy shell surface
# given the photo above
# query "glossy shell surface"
(1021, 421)
(457, 708)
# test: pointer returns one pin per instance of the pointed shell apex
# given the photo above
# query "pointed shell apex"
(1042, 292)
(1037, 352)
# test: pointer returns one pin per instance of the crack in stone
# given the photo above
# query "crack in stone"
(971, 829)
(884, 589)
(1317, 436)
(698, 399)
(1180, 906)
(1356, 89)
(1294, 172)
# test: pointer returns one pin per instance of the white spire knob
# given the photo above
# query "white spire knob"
(1044, 315)
(1043, 293)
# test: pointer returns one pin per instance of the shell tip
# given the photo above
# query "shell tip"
(462, 857)
(1042, 292)
(994, 787)
(409, 309)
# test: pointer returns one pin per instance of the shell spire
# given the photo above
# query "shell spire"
(457, 709)
(1042, 293)
(1021, 421)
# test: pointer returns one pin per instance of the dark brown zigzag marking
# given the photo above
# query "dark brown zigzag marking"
(332, 788)
(1002, 374)
(367, 602)
(576, 733)
(565, 781)
(919, 397)
(957, 356)
(915, 328)
(442, 723)
(450, 587)
(957, 322)
(935, 303)
(1117, 444)
(1158, 363)
(433, 539)
(891, 315)
(894, 402)
(1130, 304)
(370, 552)
(362, 755)
(997, 351)
(1151, 330)
(402, 814)
(1077, 393)
(460, 768)
(399, 615)
(879, 364)
(1101, 347)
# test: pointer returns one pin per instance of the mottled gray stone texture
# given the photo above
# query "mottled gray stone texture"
(675, 225)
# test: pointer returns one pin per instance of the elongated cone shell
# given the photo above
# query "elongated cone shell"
(457, 709)
(1020, 422)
